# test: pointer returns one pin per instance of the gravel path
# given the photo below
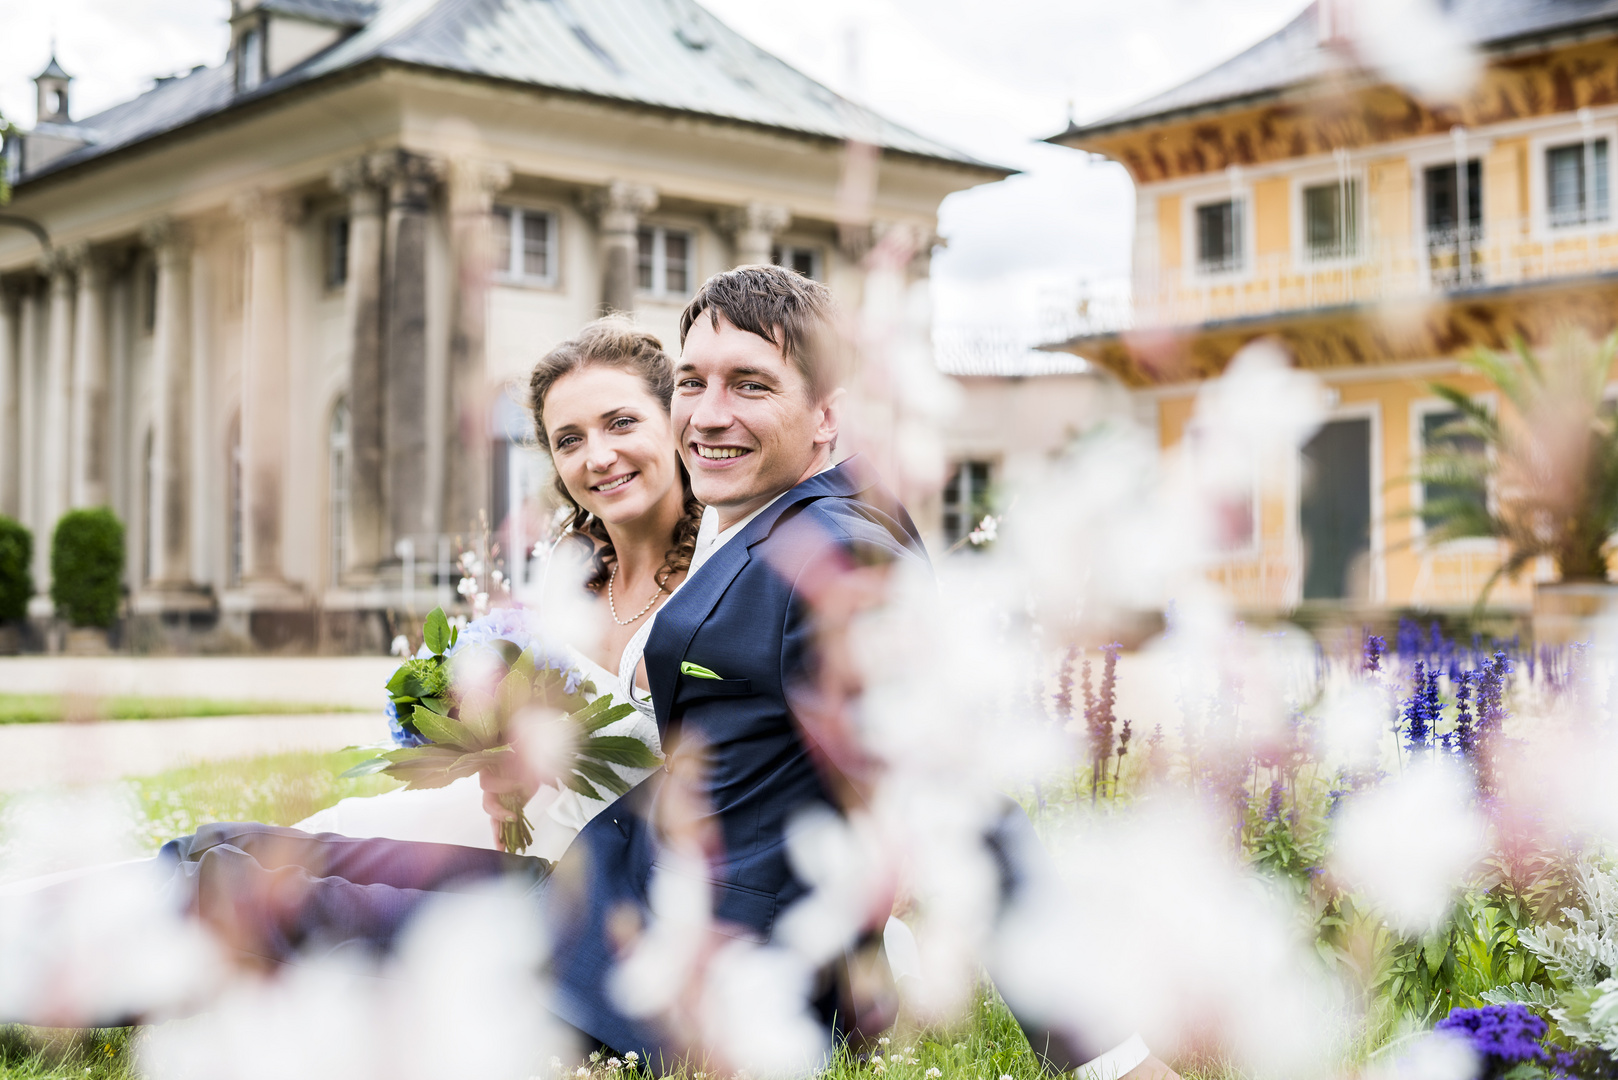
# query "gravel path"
(46, 755)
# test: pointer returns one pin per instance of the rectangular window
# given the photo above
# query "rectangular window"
(805, 260)
(1331, 220)
(524, 244)
(1576, 183)
(966, 500)
(1459, 450)
(337, 251)
(1454, 205)
(148, 297)
(663, 260)
(250, 63)
(1219, 237)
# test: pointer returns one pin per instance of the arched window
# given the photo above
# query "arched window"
(337, 445)
(235, 502)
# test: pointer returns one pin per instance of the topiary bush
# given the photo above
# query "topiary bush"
(16, 569)
(87, 566)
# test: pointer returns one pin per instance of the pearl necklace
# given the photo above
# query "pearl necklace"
(658, 595)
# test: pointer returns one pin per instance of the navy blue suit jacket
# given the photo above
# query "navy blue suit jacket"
(743, 617)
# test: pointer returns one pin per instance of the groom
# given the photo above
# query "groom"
(736, 658)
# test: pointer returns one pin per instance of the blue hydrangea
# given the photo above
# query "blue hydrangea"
(515, 624)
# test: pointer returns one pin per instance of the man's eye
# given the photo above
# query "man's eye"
(754, 388)
(690, 384)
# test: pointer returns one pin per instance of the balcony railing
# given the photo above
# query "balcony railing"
(1504, 252)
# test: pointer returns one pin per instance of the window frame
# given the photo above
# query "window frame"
(956, 467)
(781, 254)
(1241, 231)
(1420, 410)
(1539, 180)
(659, 289)
(1303, 250)
(515, 272)
(334, 271)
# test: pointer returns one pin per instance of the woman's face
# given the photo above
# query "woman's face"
(611, 442)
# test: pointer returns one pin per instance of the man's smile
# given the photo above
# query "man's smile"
(719, 453)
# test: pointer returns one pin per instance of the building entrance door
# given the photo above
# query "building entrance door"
(1334, 512)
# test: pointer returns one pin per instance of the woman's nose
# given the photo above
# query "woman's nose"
(598, 455)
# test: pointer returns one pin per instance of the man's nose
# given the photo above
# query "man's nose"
(712, 411)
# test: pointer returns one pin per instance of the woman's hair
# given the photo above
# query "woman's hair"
(614, 342)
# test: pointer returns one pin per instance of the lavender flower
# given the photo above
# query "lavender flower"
(1502, 1035)
(1421, 709)
(1465, 736)
(1375, 646)
(1272, 811)
(1064, 684)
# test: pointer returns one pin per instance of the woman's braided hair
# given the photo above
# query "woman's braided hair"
(613, 341)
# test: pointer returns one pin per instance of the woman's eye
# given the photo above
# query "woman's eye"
(566, 442)
(623, 422)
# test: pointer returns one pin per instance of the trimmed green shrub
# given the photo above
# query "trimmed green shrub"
(87, 566)
(16, 569)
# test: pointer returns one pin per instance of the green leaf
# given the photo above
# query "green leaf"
(439, 705)
(599, 713)
(1433, 951)
(582, 786)
(525, 663)
(435, 632)
(454, 635)
(513, 693)
(600, 775)
(620, 750)
(366, 768)
(480, 715)
(441, 730)
(509, 651)
(396, 684)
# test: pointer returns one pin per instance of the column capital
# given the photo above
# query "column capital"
(58, 264)
(759, 217)
(270, 208)
(619, 205)
(164, 234)
(474, 183)
(408, 176)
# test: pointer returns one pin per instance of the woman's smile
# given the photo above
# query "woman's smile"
(615, 484)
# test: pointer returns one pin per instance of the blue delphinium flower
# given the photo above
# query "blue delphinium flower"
(1375, 646)
(1409, 641)
(1502, 1035)
(1465, 737)
(400, 735)
(1420, 709)
(1272, 810)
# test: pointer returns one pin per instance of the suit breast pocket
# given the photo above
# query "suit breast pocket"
(692, 689)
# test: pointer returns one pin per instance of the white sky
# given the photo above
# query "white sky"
(988, 77)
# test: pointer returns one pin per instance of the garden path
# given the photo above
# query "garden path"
(329, 680)
(46, 755)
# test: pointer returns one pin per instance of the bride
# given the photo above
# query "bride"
(601, 410)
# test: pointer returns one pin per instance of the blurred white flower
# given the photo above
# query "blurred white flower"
(1410, 843)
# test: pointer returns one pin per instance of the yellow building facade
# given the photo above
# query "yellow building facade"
(1295, 196)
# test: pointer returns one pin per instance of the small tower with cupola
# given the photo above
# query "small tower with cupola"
(53, 84)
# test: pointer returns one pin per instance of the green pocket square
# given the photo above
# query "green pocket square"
(697, 671)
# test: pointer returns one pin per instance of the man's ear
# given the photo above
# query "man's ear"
(828, 417)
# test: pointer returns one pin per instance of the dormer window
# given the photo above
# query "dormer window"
(250, 59)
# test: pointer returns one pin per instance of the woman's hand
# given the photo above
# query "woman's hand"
(510, 778)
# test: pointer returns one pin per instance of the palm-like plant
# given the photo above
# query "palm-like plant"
(1546, 483)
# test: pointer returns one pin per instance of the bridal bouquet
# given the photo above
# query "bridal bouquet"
(455, 704)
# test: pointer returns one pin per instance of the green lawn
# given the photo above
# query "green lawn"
(49, 708)
(288, 787)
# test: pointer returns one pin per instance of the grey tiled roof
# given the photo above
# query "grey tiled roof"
(341, 12)
(667, 54)
(1294, 55)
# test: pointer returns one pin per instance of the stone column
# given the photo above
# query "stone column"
(168, 513)
(56, 434)
(28, 420)
(472, 187)
(411, 179)
(265, 217)
(754, 228)
(88, 484)
(9, 413)
(618, 208)
(367, 505)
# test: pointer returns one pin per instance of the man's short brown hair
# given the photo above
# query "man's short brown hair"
(781, 306)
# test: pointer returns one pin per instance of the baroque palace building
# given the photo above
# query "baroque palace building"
(1292, 194)
(287, 303)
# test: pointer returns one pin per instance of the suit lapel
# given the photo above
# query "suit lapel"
(678, 621)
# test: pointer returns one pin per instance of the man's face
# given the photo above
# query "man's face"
(745, 418)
